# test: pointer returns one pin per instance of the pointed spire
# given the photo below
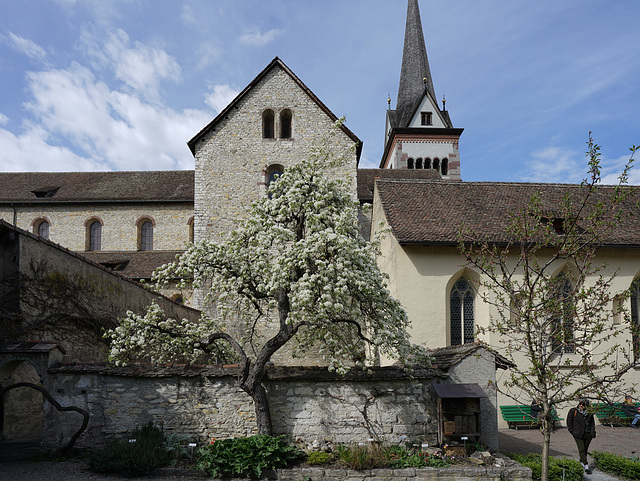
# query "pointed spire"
(415, 75)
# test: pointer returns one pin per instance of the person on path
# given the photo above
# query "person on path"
(582, 427)
(631, 410)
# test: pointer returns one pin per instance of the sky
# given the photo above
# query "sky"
(124, 84)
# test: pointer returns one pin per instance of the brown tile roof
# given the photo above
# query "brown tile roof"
(52, 187)
(446, 357)
(133, 264)
(432, 212)
(367, 178)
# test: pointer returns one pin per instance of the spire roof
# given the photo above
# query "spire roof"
(415, 67)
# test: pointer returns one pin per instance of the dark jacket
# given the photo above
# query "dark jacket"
(577, 423)
(630, 409)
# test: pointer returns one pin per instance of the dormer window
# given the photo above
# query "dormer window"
(45, 192)
(556, 223)
(426, 118)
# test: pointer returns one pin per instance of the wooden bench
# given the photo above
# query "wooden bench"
(612, 414)
(519, 415)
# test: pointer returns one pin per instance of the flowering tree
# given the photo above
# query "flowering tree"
(553, 299)
(297, 267)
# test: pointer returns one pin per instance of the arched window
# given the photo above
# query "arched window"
(635, 317)
(418, 163)
(445, 166)
(190, 223)
(427, 163)
(436, 164)
(145, 234)
(268, 124)
(563, 312)
(285, 124)
(409, 163)
(41, 228)
(462, 315)
(94, 235)
(272, 173)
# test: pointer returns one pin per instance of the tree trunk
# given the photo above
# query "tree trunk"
(263, 412)
(546, 444)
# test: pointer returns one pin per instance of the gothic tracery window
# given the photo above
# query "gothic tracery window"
(563, 323)
(461, 312)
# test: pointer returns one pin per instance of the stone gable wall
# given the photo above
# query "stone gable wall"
(119, 223)
(231, 160)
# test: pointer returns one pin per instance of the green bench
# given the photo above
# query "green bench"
(612, 414)
(519, 415)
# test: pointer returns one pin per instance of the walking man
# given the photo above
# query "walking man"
(582, 427)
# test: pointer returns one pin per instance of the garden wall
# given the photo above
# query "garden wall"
(312, 405)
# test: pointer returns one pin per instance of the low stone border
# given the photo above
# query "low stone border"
(507, 469)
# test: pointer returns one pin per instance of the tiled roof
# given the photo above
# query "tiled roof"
(133, 264)
(52, 187)
(432, 212)
(367, 178)
(446, 357)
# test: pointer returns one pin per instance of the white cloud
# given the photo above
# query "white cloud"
(255, 37)
(141, 67)
(28, 48)
(555, 165)
(611, 170)
(188, 16)
(113, 128)
(78, 121)
(208, 54)
(30, 152)
(219, 96)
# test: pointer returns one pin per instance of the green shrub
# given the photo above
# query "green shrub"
(319, 457)
(247, 456)
(559, 468)
(627, 468)
(131, 459)
(362, 457)
(394, 456)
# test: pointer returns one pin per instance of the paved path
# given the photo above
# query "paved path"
(624, 441)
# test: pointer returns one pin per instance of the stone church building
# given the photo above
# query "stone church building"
(133, 222)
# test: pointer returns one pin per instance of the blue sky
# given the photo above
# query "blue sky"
(124, 84)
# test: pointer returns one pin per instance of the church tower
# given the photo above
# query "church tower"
(419, 135)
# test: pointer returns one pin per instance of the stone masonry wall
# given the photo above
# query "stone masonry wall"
(207, 404)
(231, 160)
(119, 223)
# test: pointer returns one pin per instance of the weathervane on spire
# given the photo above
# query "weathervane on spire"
(444, 102)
